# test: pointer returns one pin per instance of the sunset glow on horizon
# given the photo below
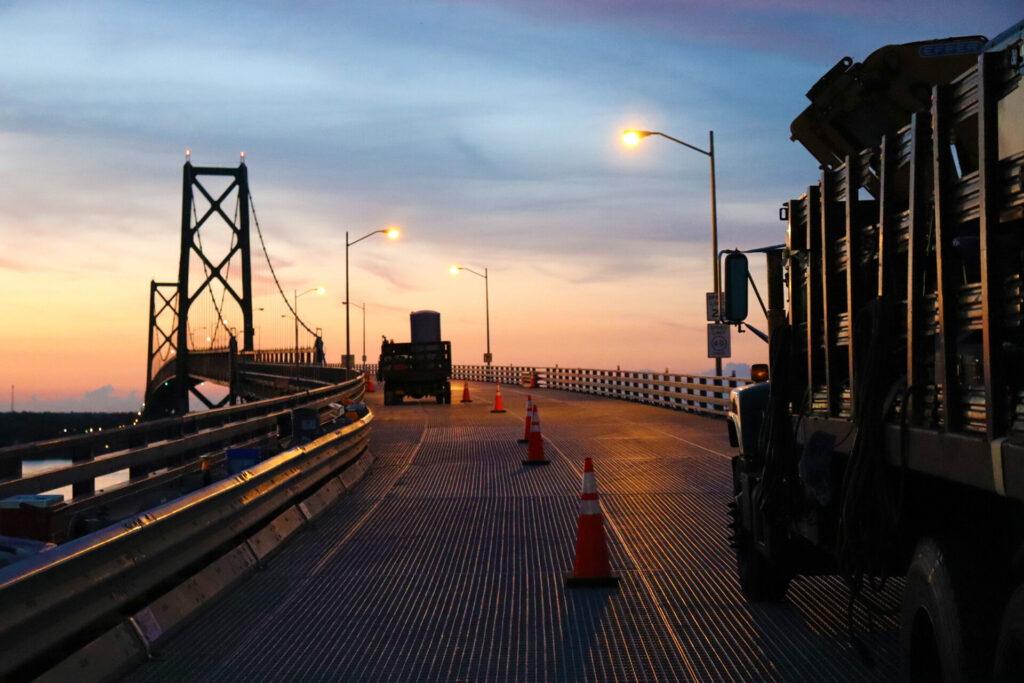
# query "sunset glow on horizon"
(421, 119)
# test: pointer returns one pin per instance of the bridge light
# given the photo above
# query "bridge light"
(188, 155)
(242, 155)
(454, 270)
(393, 233)
(630, 138)
(319, 290)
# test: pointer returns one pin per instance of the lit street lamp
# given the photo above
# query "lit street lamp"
(454, 270)
(295, 310)
(631, 138)
(362, 307)
(392, 234)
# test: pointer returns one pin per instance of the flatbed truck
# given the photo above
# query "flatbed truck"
(888, 442)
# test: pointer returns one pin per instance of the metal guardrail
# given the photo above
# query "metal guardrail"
(150, 445)
(57, 601)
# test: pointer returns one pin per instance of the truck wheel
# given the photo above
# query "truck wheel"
(439, 397)
(942, 617)
(1009, 659)
(761, 579)
(447, 392)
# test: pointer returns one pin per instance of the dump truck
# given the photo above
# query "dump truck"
(888, 441)
(419, 368)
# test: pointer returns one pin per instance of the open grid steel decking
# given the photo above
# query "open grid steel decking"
(446, 564)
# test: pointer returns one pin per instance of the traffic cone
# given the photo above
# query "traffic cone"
(535, 451)
(369, 383)
(465, 393)
(591, 567)
(529, 419)
(498, 408)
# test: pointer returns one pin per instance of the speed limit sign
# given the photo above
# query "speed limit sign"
(719, 341)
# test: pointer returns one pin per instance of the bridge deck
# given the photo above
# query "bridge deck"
(446, 563)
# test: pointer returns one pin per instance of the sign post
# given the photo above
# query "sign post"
(719, 341)
(714, 313)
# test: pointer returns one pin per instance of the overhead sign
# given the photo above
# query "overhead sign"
(719, 341)
(487, 358)
(713, 312)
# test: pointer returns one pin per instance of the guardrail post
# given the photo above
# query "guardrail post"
(10, 469)
(85, 487)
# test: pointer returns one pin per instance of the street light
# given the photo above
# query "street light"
(454, 270)
(392, 234)
(363, 308)
(631, 138)
(295, 310)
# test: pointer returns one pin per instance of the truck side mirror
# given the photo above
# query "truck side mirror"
(735, 287)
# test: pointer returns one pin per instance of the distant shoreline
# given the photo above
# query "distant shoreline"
(26, 427)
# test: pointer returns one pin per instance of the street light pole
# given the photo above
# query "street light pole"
(487, 315)
(631, 138)
(295, 310)
(487, 309)
(392, 233)
(361, 307)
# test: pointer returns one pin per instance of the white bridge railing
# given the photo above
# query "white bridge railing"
(694, 393)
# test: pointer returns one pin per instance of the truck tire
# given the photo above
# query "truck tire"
(942, 634)
(761, 579)
(447, 393)
(439, 397)
(1009, 659)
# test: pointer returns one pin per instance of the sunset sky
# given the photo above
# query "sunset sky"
(487, 130)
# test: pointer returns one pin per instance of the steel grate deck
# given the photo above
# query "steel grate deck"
(446, 564)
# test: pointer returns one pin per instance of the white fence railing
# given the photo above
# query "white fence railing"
(695, 393)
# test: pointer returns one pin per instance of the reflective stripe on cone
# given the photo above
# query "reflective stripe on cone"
(498, 407)
(591, 566)
(535, 451)
(529, 419)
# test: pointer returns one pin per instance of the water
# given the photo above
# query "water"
(103, 482)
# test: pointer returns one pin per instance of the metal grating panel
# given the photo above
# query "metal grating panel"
(446, 562)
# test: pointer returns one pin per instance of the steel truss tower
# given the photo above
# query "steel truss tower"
(176, 341)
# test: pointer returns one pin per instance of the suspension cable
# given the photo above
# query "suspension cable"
(266, 255)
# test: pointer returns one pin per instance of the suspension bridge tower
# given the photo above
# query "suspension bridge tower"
(215, 276)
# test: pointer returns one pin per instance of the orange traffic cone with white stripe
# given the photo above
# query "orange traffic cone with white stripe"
(591, 567)
(465, 393)
(535, 451)
(529, 419)
(498, 408)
